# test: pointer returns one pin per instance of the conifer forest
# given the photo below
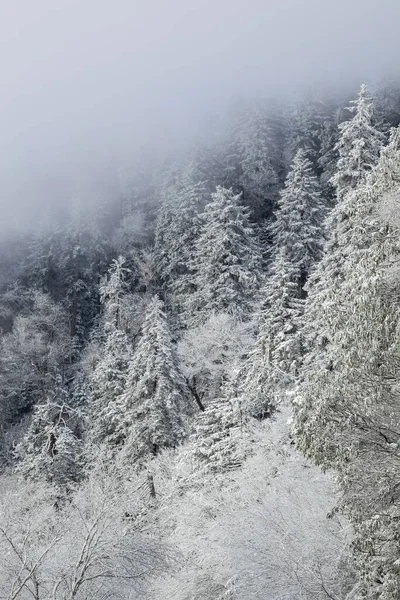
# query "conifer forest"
(200, 370)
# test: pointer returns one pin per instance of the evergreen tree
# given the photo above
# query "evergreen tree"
(359, 145)
(214, 446)
(107, 383)
(299, 218)
(108, 379)
(226, 260)
(177, 230)
(151, 413)
(348, 411)
(312, 116)
(346, 225)
(261, 158)
(283, 306)
(272, 364)
(113, 290)
(52, 446)
(298, 236)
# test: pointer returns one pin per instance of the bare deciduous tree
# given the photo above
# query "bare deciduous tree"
(74, 549)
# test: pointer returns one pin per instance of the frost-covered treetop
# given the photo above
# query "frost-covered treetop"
(359, 144)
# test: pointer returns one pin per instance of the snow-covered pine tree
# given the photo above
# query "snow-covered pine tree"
(283, 307)
(272, 364)
(261, 158)
(299, 218)
(348, 404)
(177, 229)
(351, 226)
(107, 383)
(311, 117)
(113, 289)
(358, 146)
(152, 412)
(298, 241)
(108, 378)
(52, 447)
(214, 444)
(226, 260)
(355, 298)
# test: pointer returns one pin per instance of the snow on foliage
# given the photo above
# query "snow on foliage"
(151, 413)
(226, 260)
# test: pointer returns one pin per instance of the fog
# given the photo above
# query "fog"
(87, 84)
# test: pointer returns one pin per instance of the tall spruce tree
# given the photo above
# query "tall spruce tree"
(298, 240)
(299, 218)
(226, 259)
(151, 413)
(348, 413)
(52, 448)
(177, 230)
(108, 378)
(358, 146)
(260, 141)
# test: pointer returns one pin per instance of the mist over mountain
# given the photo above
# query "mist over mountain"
(86, 86)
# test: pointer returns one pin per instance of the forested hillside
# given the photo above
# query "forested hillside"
(199, 373)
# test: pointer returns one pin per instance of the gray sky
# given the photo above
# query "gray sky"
(84, 82)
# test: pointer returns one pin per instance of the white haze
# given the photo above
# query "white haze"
(87, 84)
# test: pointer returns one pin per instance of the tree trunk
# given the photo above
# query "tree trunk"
(195, 394)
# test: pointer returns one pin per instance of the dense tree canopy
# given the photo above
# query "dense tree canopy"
(170, 354)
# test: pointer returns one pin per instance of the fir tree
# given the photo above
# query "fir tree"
(226, 259)
(177, 230)
(299, 218)
(52, 446)
(151, 412)
(214, 446)
(273, 363)
(347, 224)
(298, 237)
(107, 384)
(347, 415)
(261, 161)
(108, 378)
(358, 147)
